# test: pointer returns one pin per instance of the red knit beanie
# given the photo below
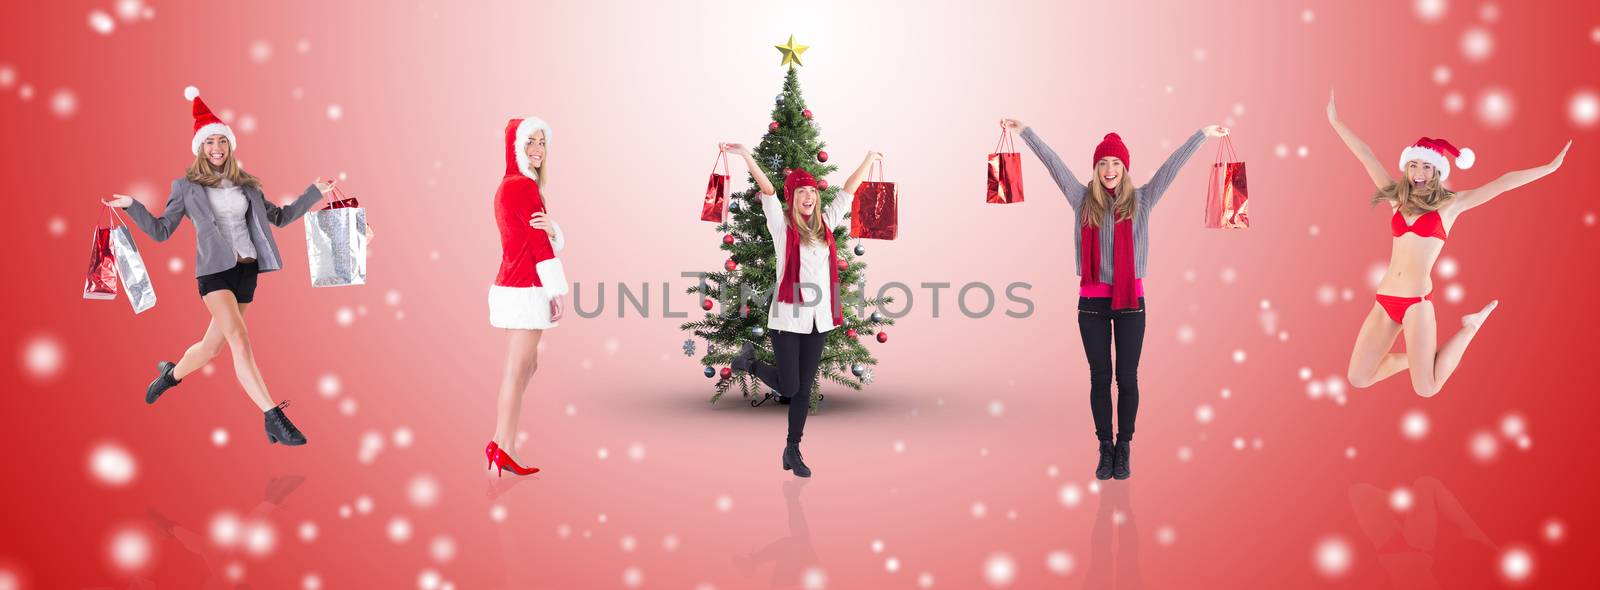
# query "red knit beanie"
(1112, 146)
(797, 178)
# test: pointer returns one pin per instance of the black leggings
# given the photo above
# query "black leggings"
(799, 355)
(1097, 323)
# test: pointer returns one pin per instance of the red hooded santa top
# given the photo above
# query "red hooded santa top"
(530, 274)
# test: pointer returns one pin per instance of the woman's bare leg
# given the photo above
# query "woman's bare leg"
(1370, 359)
(229, 320)
(201, 353)
(1431, 364)
(521, 361)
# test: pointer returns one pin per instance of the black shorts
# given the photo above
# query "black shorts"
(241, 279)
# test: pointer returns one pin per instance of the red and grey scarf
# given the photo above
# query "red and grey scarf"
(1122, 296)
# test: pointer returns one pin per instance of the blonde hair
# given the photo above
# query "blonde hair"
(1399, 194)
(811, 229)
(1094, 202)
(201, 172)
(541, 175)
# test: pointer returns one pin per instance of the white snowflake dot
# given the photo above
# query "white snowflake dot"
(102, 23)
(1429, 10)
(1584, 108)
(999, 570)
(1333, 557)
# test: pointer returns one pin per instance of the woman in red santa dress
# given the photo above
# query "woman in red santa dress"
(527, 296)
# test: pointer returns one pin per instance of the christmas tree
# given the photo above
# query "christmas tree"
(736, 299)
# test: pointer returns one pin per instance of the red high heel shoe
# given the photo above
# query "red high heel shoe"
(503, 462)
(489, 452)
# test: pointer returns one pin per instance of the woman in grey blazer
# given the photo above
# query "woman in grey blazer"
(232, 245)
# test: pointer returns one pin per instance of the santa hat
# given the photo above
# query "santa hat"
(205, 123)
(1112, 146)
(797, 178)
(1433, 152)
(525, 131)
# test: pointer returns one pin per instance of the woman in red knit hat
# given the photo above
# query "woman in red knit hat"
(806, 301)
(1424, 212)
(233, 244)
(527, 296)
(1113, 245)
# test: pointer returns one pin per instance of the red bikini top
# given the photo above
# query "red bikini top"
(1430, 225)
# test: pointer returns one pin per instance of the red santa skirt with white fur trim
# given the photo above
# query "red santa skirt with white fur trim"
(519, 308)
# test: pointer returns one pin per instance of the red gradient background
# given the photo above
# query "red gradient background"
(638, 95)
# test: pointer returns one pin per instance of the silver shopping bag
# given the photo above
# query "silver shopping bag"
(130, 268)
(336, 242)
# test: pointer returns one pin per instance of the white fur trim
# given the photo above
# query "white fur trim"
(525, 131)
(209, 130)
(553, 276)
(519, 308)
(190, 92)
(1427, 155)
(559, 239)
(1466, 159)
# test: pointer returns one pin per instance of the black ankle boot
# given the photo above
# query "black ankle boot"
(1103, 469)
(163, 382)
(746, 358)
(1120, 468)
(793, 461)
(280, 429)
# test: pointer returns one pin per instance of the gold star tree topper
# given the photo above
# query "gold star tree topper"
(791, 52)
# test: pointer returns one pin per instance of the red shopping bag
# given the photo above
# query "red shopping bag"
(875, 212)
(716, 204)
(1227, 200)
(339, 199)
(101, 280)
(1005, 172)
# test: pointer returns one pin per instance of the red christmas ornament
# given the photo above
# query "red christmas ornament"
(822, 156)
(851, 332)
(731, 265)
(727, 372)
(843, 264)
(706, 305)
(883, 336)
(786, 171)
(822, 184)
(728, 239)
(806, 113)
(772, 126)
(744, 311)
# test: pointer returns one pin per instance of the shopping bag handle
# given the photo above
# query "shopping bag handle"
(1225, 147)
(722, 158)
(1006, 141)
(878, 170)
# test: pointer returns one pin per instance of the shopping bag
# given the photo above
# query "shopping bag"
(875, 212)
(336, 243)
(716, 202)
(1005, 172)
(131, 269)
(101, 280)
(1227, 200)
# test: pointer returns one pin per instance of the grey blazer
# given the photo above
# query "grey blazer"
(213, 251)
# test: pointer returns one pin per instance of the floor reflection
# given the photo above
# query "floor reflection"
(278, 490)
(1114, 563)
(1407, 538)
(790, 555)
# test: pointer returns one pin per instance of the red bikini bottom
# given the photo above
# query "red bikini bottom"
(1396, 306)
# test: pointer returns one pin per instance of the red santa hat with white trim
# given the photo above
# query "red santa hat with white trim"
(206, 124)
(1433, 151)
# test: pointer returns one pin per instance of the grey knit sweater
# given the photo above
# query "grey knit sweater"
(1146, 198)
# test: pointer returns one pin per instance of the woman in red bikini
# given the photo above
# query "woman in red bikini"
(1424, 212)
